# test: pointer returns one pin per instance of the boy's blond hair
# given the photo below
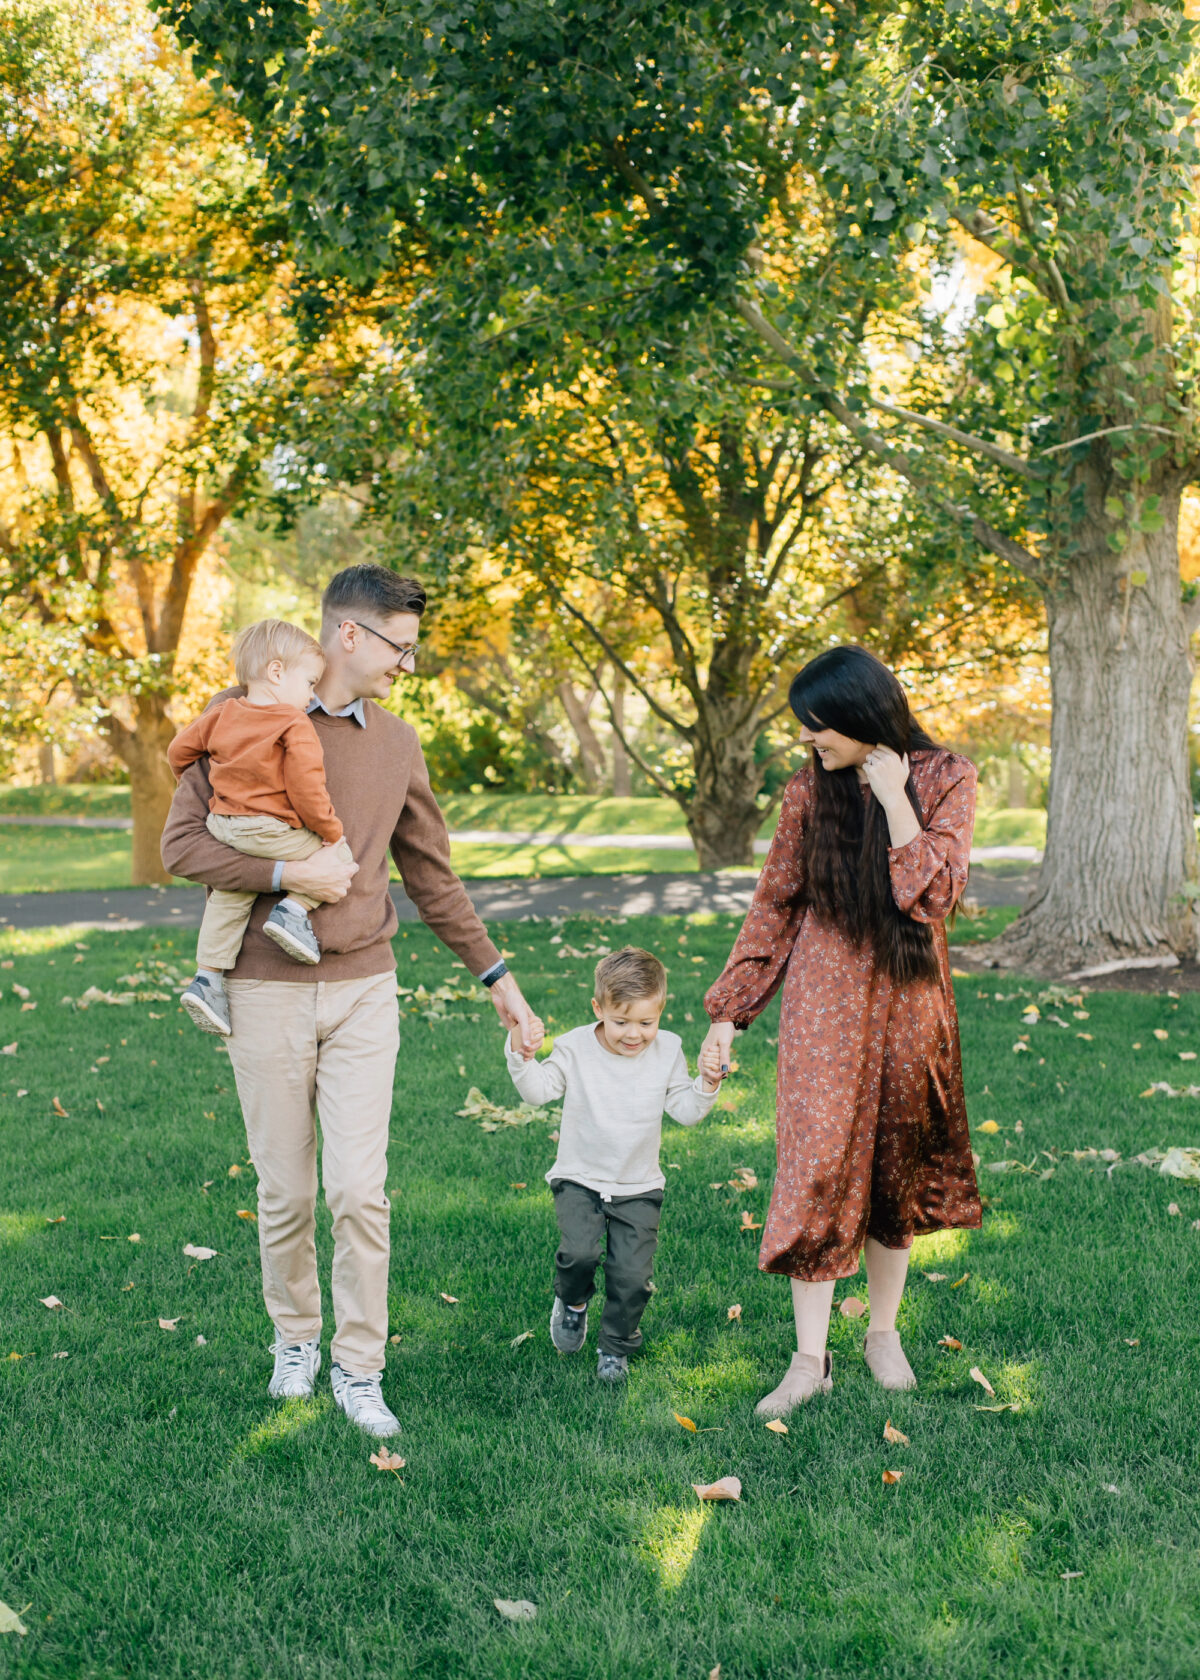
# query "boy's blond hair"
(630, 974)
(271, 638)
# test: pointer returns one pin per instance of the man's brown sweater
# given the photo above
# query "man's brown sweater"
(379, 786)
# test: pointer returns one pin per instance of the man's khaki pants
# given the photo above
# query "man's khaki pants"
(299, 1050)
(226, 913)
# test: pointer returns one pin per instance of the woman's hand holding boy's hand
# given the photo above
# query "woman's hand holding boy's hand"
(718, 1044)
(710, 1066)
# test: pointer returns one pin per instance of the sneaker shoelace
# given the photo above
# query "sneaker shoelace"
(369, 1396)
(294, 1360)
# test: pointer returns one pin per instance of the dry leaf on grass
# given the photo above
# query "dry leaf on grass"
(1161, 1033)
(935, 1277)
(684, 1422)
(60, 1356)
(126, 1287)
(516, 1609)
(744, 1178)
(951, 1342)
(385, 1460)
(958, 1282)
(58, 1108)
(10, 1620)
(234, 1172)
(394, 1340)
(450, 1300)
(977, 1375)
(1076, 1574)
(894, 1435)
(169, 1323)
(748, 1222)
(890, 1477)
(1173, 1209)
(518, 1187)
(201, 1341)
(852, 1307)
(244, 1213)
(734, 1315)
(60, 1219)
(1004, 1406)
(8, 1049)
(1133, 1341)
(197, 1253)
(51, 1301)
(729, 1487)
(776, 1427)
(525, 1336)
(715, 1673)
(988, 1126)
(135, 1236)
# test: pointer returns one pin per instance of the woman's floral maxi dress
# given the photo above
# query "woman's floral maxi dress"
(871, 1128)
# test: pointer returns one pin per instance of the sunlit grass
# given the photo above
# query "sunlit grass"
(670, 1539)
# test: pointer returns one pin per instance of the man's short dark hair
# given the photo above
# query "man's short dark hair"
(371, 592)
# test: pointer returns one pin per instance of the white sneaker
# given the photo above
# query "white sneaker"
(361, 1398)
(296, 1367)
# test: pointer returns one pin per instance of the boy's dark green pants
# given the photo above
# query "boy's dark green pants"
(631, 1226)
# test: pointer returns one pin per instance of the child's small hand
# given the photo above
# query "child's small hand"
(538, 1031)
(710, 1067)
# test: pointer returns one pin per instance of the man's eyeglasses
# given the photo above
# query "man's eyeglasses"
(406, 650)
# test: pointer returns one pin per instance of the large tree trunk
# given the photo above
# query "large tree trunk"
(723, 815)
(143, 750)
(1120, 841)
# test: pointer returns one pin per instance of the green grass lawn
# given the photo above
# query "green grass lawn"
(164, 1519)
(39, 860)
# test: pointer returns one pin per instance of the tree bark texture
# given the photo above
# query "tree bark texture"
(723, 814)
(1120, 841)
(143, 750)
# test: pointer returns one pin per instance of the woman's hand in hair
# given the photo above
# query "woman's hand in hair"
(887, 773)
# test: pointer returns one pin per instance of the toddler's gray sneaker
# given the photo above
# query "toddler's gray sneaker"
(205, 1002)
(612, 1367)
(292, 932)
(568, 1327)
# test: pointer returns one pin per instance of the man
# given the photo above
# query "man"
(325, 1038)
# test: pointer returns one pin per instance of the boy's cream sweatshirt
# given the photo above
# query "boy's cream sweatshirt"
(612, 1107)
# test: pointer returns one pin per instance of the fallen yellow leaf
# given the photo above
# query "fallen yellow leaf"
(988, 1126)
(776, 1427)
(729, 1487)
(890, 1477)
(51, 1301)
(684, 1422)
(135, 1236)
(516, 1609)
(895, 1436)
(958, 1282)
(734, 1315)
(385, 1460)
(935, 1277)
(748, 1222)
(525, 1336)
(58, 1108)
(951, 1342)
(196, 1253)
(852, 1307)
(977, 1375)
(168, 1323)
(450, 1300)
(10, 1619)
(61, 1220)
(1161, 1033)
(244, 1213)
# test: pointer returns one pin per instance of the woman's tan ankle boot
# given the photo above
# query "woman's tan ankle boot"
(806, 1375)
(886, 1359)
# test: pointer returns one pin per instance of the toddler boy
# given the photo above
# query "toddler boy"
(615, 1077)
(269, 800)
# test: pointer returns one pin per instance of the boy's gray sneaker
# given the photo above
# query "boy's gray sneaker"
(296, 1367)
(292, 932)
(568, 1328)
(612, 1367)
(205, 1003)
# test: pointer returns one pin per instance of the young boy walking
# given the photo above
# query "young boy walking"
(269, 800)
(615, 1076)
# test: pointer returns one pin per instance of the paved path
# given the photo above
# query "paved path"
(496, 901)
(540, 837)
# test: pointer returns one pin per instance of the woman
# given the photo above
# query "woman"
(869, 858)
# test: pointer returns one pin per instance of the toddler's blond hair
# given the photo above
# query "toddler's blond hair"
(630, 974)
(271, 638)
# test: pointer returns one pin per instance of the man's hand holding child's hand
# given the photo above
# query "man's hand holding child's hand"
(536, 1033)
(710, 1066)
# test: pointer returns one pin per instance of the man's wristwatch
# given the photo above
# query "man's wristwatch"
(496, 972)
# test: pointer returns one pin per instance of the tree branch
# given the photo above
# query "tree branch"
(981, 446)
(619, 731)
(685, 730)
(633, 177)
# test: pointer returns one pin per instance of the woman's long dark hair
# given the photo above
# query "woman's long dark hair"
(846, 841)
